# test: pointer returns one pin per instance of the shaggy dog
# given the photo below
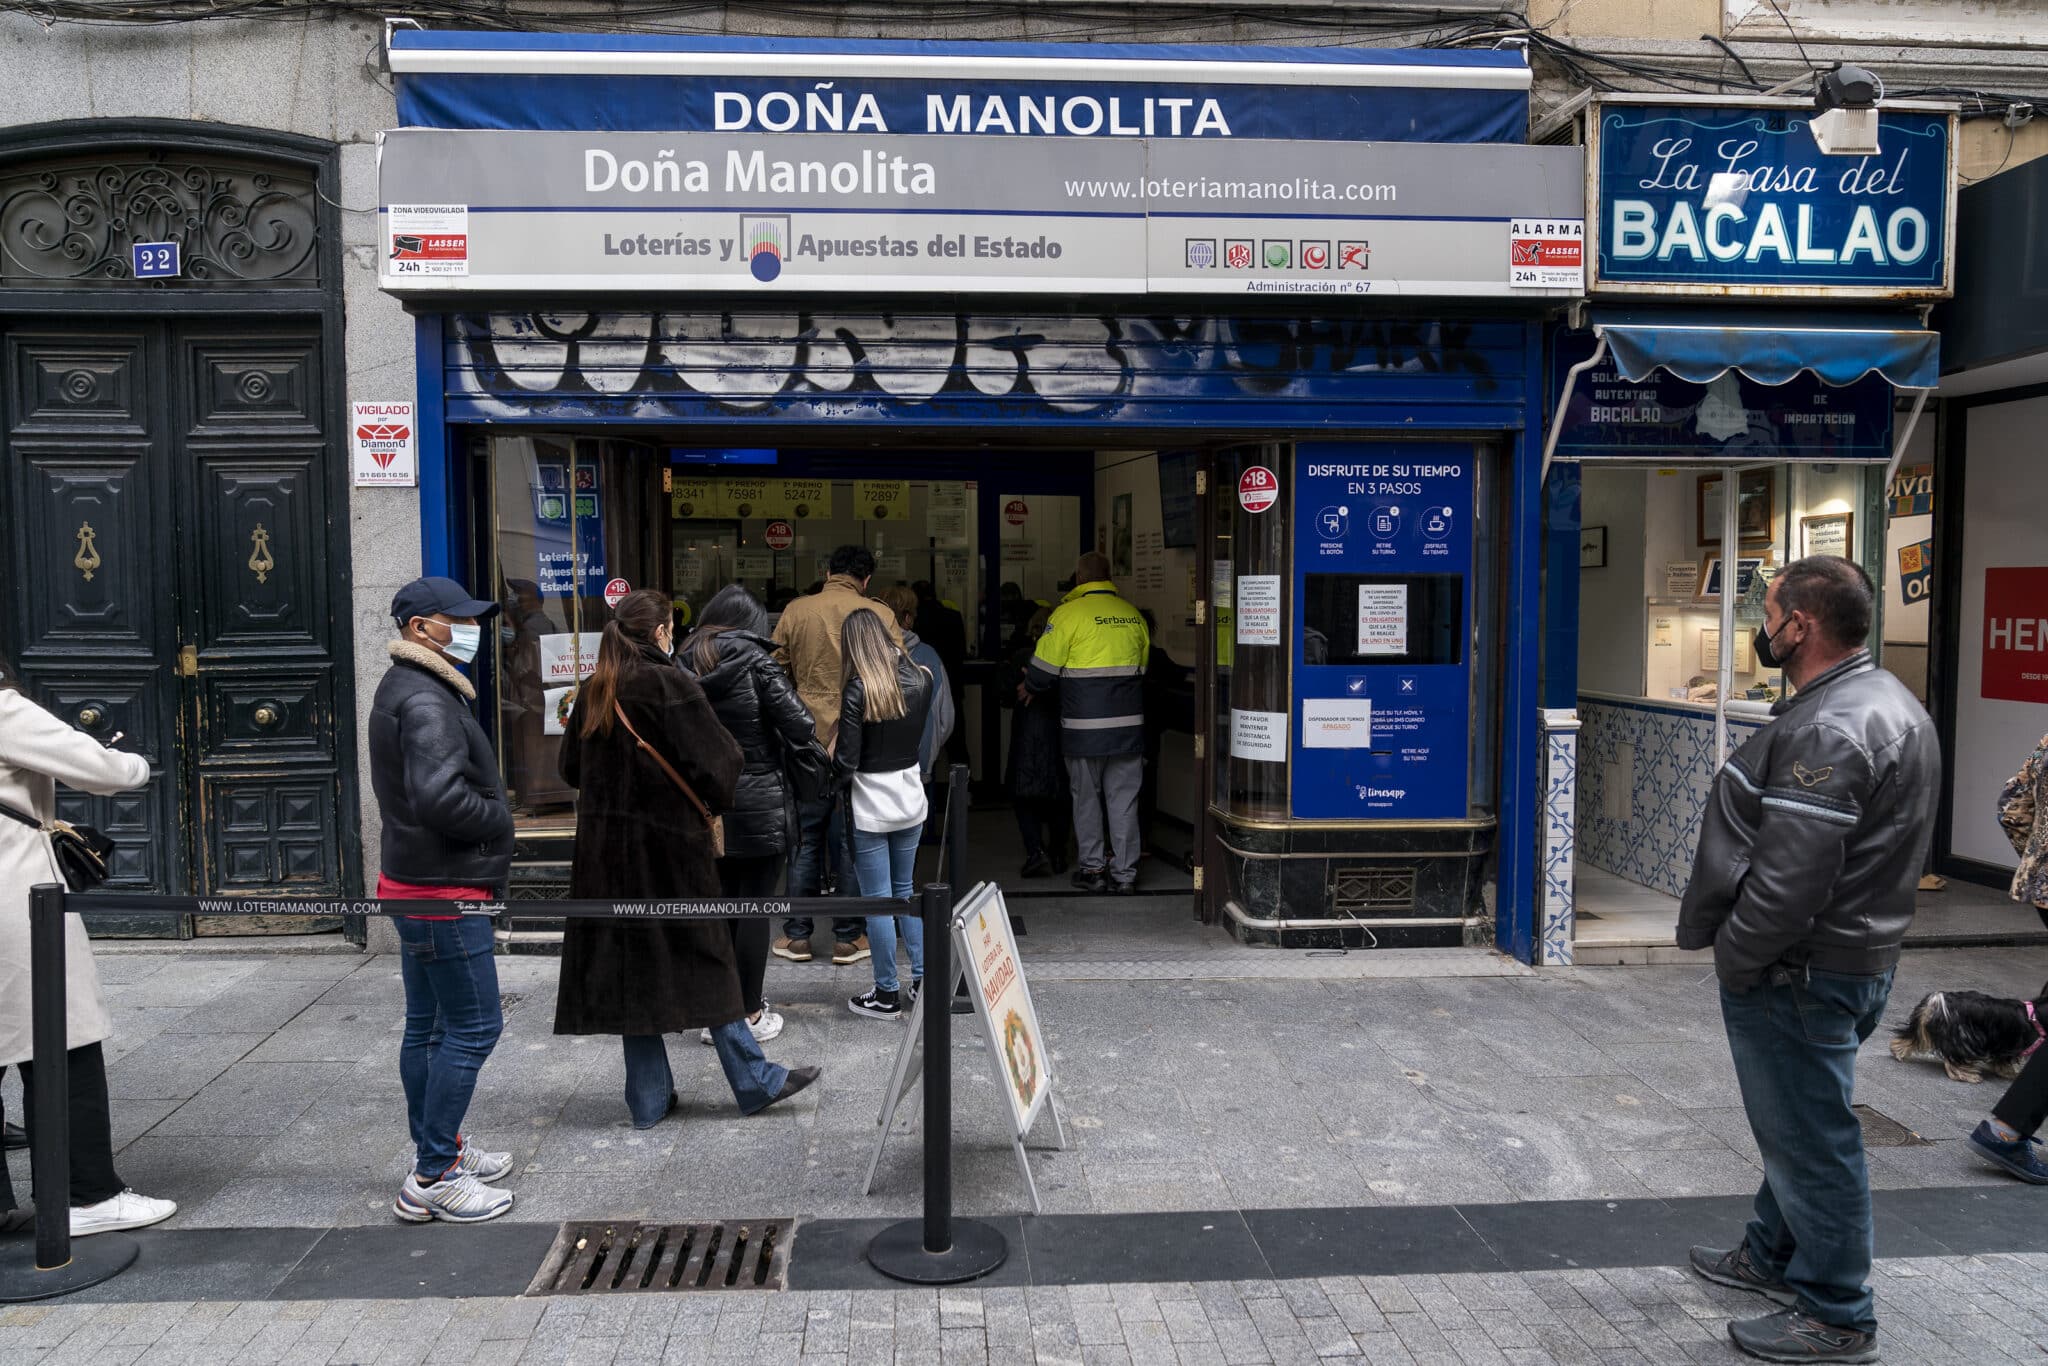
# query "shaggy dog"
(1970, 1033)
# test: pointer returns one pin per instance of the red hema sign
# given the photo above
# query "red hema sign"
(2016, 634)
(381, 445)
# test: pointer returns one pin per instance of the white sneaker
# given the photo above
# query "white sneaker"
(126, 1210)
(458, 1199)
(482, 1165)
(764, 1029)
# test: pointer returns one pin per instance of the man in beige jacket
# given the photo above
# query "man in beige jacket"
(807, 644)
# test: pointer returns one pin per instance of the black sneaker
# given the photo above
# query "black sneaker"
(1038, 865)
(1125, 888)
(880, 1004)
(1735, 1267)
(2021, 1157)
(12, 1137)
(1091, 880)
(1792, 1336)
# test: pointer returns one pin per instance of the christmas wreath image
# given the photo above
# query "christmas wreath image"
(565, 704)
(1022, 1057)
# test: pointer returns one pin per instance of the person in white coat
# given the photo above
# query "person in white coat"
(38, 751)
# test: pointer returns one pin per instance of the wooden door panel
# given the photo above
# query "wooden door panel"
(87, 545)
(238, 386)
(266, 714)
(124, 700)
(76, 382)
(261, 555)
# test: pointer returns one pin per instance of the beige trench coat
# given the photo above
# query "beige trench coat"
(36, 752)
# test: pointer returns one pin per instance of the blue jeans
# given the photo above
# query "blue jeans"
(1794, 1042)
(820, 826)
(755, 1081)
(887, 865)
(452, 1021)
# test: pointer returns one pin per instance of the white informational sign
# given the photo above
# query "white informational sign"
(1258, 609)
(1547, 253)
(557, 703)
(995, 978)
(688, 570)
(1260, 735)
(891, 567)
(1383, 618)
(383, 445)
(426, 239)
(945, 513)
(567, 657)
(753, 566)
(1336, 723)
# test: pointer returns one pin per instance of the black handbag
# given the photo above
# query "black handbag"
(808, 770)
(82, 851)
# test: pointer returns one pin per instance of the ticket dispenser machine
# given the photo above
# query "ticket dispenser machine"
(1387, 835)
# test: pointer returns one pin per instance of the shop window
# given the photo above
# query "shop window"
(1339, 610)
(1248, 565)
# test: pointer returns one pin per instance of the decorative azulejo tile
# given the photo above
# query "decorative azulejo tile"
(1556, 907)
(1654, 831)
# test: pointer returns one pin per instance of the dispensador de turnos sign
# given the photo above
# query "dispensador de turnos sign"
(1698, 199)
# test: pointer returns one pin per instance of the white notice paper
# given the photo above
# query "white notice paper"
(1258, 609)
(1383, 618)
(1259, 735)
(753, 566)
(1336, 723)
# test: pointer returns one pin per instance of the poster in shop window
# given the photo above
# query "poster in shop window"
(881, 500)
(808, 498)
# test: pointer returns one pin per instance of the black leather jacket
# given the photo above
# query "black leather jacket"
(1816, 832)
(882, 746)
(445, 819)
(757, 704)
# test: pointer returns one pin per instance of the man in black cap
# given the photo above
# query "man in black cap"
(447, 836)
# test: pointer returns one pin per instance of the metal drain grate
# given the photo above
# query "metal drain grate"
(1882, 1131)
(608, 1258)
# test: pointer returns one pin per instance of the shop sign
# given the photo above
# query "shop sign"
(1741, 201)
(1733, 420)
(382, 446)
(1912, 492)
(632, 212)
(779, 535)
(1258, 488)
(1916, 570)
(881, 500)
(2016, 634)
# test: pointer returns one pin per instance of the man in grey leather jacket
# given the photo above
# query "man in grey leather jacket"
(1813, 842)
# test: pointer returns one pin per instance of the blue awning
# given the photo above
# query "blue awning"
(1771, 346)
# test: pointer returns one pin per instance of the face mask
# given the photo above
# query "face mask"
(1766, 655)
(463, 642)
(507, 634)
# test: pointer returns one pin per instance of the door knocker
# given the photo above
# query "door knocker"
(259, 557)
(88, 557)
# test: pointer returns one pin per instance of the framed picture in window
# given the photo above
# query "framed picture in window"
(1747, 567)
(1592, 547)
(1756, 511)
(1830, 534)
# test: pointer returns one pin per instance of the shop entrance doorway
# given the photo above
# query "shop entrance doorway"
(987, 539)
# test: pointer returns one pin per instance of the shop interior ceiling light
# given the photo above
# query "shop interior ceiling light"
(1845, 118)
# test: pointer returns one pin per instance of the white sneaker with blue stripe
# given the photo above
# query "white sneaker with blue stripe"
(482, 1165)
(458, 1198)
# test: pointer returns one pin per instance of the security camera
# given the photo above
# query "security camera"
(1845, 111)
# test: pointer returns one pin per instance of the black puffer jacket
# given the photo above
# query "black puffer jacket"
(446, 823)
(757, 703)
(882, 746)
(1035, 770)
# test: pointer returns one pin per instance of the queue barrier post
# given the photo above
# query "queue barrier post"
(56, 1266)
(956, 861)
(938, 1249)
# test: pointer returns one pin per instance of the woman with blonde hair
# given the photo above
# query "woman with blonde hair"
(883, 701)
(652, 766)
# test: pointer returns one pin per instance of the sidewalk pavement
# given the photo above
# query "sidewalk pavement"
(1976, 1310)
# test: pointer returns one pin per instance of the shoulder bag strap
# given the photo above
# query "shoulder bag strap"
(666, 767)
(30, 821)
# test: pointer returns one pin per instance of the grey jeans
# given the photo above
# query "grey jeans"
(1111, 783)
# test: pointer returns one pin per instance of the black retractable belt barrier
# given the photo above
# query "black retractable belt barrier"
(938, 1249)
(59, 1267)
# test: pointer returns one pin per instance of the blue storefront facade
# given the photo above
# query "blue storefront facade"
(1757, 322)
(1309, 278)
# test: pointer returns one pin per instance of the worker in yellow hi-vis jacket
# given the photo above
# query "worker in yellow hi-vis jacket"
(1095, 649)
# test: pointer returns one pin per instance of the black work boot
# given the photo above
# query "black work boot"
(1735, 1267)
(1790, 1335)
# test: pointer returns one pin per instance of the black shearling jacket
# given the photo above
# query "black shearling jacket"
(445, 819)
(1816, 832)
(757, 704)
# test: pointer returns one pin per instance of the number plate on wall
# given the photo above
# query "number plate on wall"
(155, 260)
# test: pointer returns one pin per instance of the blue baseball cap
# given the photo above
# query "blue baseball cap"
(425, 597)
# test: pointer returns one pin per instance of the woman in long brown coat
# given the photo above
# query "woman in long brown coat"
(640, 836)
